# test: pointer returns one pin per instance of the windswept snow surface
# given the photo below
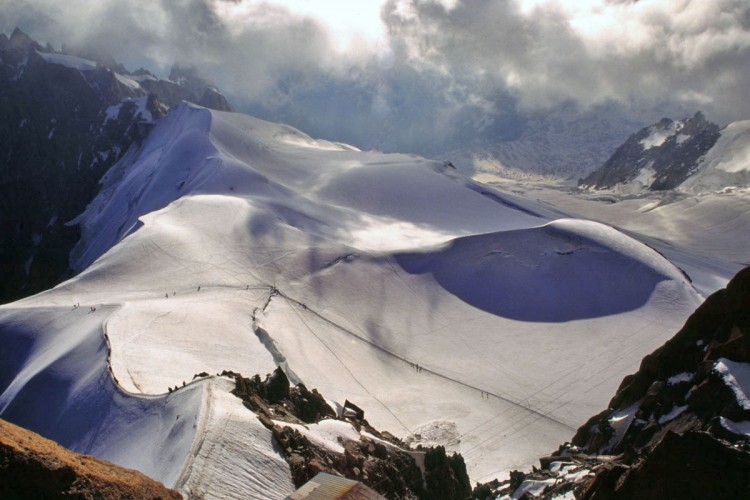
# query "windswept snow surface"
(55, 380)
(706, 235)
(226, 242)
(727, 164)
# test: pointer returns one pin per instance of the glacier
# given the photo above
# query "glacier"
(224, 242)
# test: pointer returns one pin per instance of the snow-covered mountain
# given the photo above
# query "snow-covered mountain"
(691, 155)
(451, 313)
(65, 120)
(659, 157)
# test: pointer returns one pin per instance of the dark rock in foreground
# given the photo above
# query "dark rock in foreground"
(35, 467)
(677, 428)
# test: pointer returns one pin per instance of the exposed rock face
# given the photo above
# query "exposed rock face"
(689, 465)
(64, 121)
(34, 467)
(56, 145)
(677, 428)
(214, 99)
(687, 383)
(201, 91)
(382, 462)
(658, 157)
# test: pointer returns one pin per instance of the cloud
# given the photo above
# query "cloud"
(246, 53)
(448, 72)
(642, 52)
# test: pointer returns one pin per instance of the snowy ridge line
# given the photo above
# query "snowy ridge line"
(200, 437)
(200, 433)
(119, 387)
(505, 399)
(116, 402)
(640, 238)
(143, 395)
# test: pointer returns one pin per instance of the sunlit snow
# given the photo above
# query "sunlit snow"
(449, 311)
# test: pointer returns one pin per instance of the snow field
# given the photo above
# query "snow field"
(704, 234)
(234, 456)
(56, 381)
(447, 310)
(726, 164)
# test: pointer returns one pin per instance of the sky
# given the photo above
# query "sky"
(424, 74)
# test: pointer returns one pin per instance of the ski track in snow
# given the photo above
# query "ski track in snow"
(389, 280)
(411, 362)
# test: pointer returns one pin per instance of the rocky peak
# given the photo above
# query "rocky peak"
(187, 77)
(64, 122)
(20, 40)
(658, 157)
(200, 90)
(214, 99)
(16, 50)
(142, 72)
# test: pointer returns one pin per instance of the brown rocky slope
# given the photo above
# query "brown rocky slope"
(35, 467)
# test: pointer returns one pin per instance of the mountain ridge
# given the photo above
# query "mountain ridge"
(658, 157)
(66, 120)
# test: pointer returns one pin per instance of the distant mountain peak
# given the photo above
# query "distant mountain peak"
(658, 157)
(19, 39)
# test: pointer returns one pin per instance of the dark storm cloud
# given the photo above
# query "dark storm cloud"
(448, 71)
(682, 51)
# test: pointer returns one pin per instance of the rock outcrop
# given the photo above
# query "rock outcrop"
(64, 121)
(677, 428)
(34, 467)
(379, 460)
(694, 382)
(658, 157)
(57, 141)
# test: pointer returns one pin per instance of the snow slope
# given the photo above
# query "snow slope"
(726, 166)
(445, 309)
(55, 378)
(705, 234)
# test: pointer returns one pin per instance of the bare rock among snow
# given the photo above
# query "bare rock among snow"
(313, 439)
(214, 99)
(689, 465)
(659, 157)
(677, 428)
(697, 380)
